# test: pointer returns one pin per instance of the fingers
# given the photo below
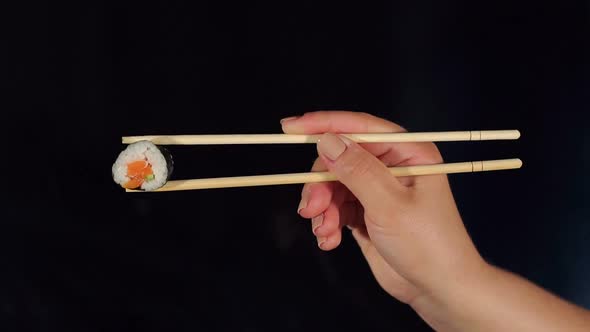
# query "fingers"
(341, 122)
(391, 154)
(320, 202)
(326, 223)
(362, 173)
(338, 122)
(315, 197)
(327, 227)
(360, 169)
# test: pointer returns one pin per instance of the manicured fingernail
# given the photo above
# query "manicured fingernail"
(288, 119)
(331, 146)
(321, 241)
(304, 200)
(317, 222)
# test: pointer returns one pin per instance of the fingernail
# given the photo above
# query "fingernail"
(304, 200)
(321, 241)
(289, 119)
(316, 222)
(331, 146)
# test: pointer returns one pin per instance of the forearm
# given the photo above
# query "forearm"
(496, 300)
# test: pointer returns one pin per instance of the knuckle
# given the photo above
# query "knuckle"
(431, 154)
(365, 115)
(360, 167)
(305, 189)
(318, 165)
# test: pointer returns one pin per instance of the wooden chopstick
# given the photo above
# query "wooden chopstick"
(444, 136)
(293, 178)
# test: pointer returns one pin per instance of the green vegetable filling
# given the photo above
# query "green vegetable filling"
(150, 177)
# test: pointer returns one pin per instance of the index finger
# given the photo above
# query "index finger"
(338, 122)
(356, 122)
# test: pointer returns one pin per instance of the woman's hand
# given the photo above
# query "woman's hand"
(412, 235)
(408, 229)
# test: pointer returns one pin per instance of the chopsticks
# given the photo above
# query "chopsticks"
(443, 136)
(312, 177)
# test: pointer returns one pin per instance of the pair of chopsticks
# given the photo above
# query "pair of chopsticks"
(294, 178)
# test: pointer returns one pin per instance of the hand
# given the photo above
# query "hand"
(411, 233)
(408, 229)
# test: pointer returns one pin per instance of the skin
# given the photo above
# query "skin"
(411, 233)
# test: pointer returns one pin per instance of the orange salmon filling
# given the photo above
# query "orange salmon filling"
(138, 172)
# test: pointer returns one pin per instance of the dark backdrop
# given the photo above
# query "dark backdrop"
(80, 254)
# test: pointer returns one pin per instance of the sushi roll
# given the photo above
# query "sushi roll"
(142, 166)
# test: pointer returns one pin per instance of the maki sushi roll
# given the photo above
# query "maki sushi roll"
(142, 166)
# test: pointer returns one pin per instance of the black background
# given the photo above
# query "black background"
(80, 254)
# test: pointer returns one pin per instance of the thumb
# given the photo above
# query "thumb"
(361, 172)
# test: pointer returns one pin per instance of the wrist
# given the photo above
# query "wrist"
(444, 304)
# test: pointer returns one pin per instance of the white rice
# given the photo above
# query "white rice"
(142, 150)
